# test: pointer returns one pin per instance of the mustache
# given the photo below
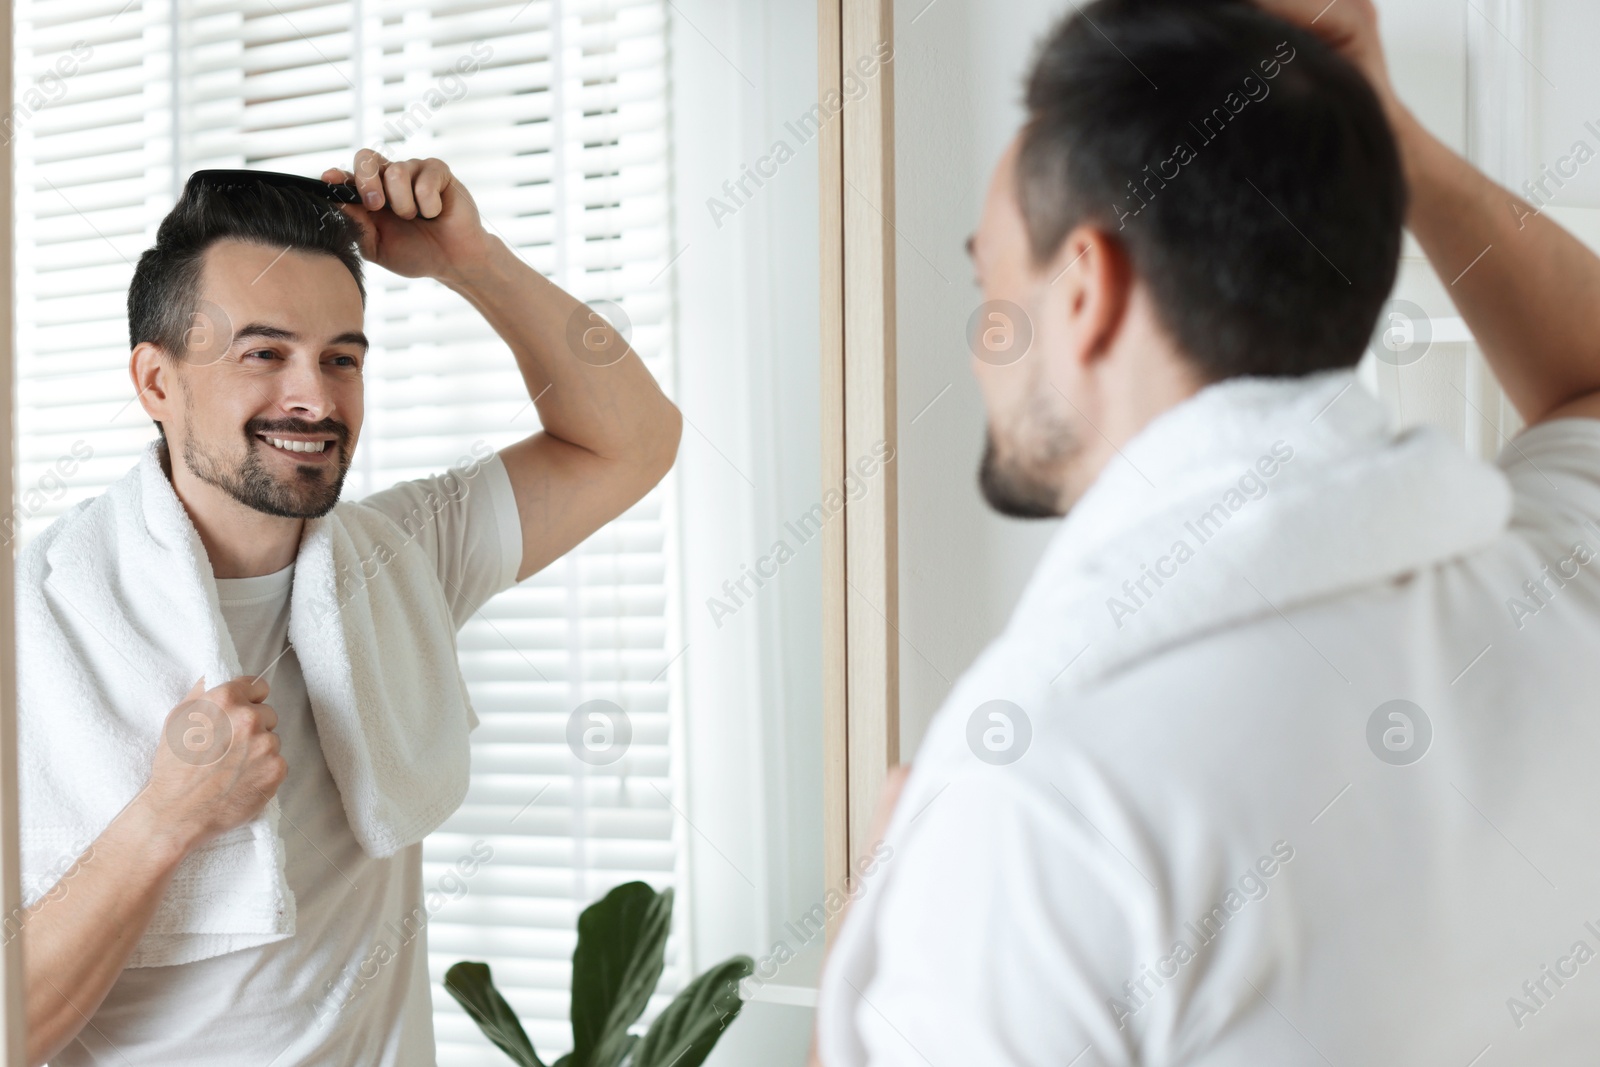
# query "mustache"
(328, 426)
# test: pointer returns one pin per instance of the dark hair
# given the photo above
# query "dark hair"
(1248, 172)
(165, 291)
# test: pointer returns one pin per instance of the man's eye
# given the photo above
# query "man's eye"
(347, 361)
(269, 353)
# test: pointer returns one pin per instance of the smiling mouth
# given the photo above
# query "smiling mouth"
(310, 449)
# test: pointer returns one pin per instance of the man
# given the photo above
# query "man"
(1286, 755)
(199, 927)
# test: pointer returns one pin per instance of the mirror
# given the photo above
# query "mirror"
(658, 162)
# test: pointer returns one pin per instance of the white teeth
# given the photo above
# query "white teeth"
(298, 446)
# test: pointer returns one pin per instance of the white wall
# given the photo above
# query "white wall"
(1566, 92)
(747, 292)
(959, 66)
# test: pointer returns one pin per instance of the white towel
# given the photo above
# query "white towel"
(117, 615)
(1358, 500)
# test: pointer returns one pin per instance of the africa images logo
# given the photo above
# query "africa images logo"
(1399, 732)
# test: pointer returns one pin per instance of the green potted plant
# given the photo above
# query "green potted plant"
(622, 944)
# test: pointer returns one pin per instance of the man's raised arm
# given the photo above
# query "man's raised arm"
(1529, 290)
(609, 433)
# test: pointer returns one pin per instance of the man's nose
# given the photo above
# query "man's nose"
(303, 390)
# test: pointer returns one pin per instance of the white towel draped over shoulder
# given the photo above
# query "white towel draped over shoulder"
(117, 616)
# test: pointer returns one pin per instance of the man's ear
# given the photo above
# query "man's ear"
(154, 380)
(1087, 284)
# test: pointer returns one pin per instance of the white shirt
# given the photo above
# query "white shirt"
(1215, 852)
(351, 986)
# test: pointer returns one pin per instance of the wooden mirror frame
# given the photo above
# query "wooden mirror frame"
(860, 557)
(10, 878)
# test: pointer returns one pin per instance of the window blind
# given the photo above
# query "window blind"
(554, 116)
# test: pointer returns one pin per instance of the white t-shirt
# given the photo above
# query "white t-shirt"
(1206, 861)
(329, 996)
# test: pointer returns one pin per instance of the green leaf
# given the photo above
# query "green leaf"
(622, 944)
(620, 1046)
(684, 1034)
(473, 988)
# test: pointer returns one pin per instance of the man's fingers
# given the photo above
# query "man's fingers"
(248, 688)
(411, 188)
(397, 179)
(269, 716)
(369, 169)
(429, 186)
(1349, 27)
(1337, 21)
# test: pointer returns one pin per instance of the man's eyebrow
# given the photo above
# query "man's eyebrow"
(261, 329)
(278, 333)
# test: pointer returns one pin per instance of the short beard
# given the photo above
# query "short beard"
(252, 485)
(1029, 486)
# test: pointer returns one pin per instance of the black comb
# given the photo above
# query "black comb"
(236, 179)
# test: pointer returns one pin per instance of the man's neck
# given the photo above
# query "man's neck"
(240, 541)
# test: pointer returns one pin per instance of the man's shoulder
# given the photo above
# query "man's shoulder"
(403, 513)
(424, 495)
(1553, 463)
